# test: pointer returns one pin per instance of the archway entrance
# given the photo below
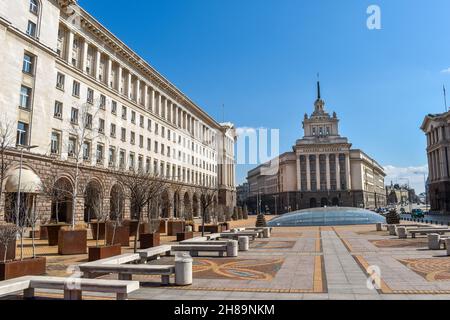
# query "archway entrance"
(324, 202)
(335, 202)
(176, 205)
(116, 203)
(187, 207)
(93, 201)
(165, 204)
(312, 203)
(195, 206)
(62, 200)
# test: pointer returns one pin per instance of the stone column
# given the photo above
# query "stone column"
(98, 57)
(128, 85)
(152, 99)
(119, 78)
(318, 172)
(299, 174)
(328, 172)
(84, 56)
(138, 91)
(338, 173)
(69, 47)
(108, 72)
(308, 173)
(348, 172)
(145, 95)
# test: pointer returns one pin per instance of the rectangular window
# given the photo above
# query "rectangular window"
(86, 151)
(22, 134)
(114, 107)
(76, 89)
(102, 102)
(28, 63)
(113, 130)
(141, 121)
(57, 112)
(55, 143)
(122, 159)
(149, 125)
(141, 163)
(149, 144)
(90, 96)
(25, 97)
(133, 117)
(101, 126)
(141, 141)
(132, 138)
(88, 121)
(100, 153)
(131, 161)
(72, 147)
(34, 8)
(74, 116)
(60, 81)
(124, 113)
(31, 29)
(112, 157)
(123, 134)
(156, 128)
(156, 147)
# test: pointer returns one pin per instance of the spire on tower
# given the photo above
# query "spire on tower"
(318, 87)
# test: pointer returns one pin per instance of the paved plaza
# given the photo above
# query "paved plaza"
(297, 263)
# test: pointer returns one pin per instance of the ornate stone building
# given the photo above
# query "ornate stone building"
(437, 130)
(63, 73)
(321, 170)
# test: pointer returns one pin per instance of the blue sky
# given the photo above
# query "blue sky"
(260, 58)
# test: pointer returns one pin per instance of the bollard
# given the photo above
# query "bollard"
(402, 234)
(447, 245)
(244, 243)
(183, 269)
(266, 233)
(379, 227)
(232, 248)
(434, 241)
(392, 231)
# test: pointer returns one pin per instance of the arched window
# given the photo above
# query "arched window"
(34, 7)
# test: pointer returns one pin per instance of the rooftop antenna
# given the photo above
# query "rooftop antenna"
(318, 86)
(445, 98)
(223, 112)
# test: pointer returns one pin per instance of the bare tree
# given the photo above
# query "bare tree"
(8, 233)
(84, 130)
(207, 195)
(143, 188)
(116, 214)
(57, 191)
(6, 142)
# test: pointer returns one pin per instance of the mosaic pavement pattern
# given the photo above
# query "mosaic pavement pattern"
(401, 243)
(273, 245)
(252, 269)
(431, 269)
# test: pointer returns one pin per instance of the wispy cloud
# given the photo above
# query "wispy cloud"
(401, 175)
(446, 71)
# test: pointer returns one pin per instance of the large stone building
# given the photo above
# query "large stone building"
(437, 130)
(62, 72)
(321, 170)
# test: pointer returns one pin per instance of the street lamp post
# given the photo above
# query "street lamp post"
(22, 148)
(276, 205)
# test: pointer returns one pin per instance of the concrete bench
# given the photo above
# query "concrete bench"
(153, 253)
(72, 287)
(230, 248)
(197, 239)
(426, 231)
(235, 235)
(242, 243)
(392, 228)
(213, 236)
(266, 231)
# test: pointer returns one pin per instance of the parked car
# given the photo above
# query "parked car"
(417, 213)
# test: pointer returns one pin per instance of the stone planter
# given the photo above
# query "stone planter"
(72, 242)
(101, 230)
(174, 227)
(144, 227)
(184, 236)
(43, 234)
(121, 237)
(211, 229)
(53, 233)
(10, 253)
(163, 226)
(149, 240)
(26, 267)
(36, 234)
(98, 253)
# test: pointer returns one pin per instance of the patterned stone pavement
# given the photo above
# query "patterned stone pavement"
(309, 263)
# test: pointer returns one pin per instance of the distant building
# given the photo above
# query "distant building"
(321, 170)
(437, 130)
(396, 194)
(242, 193)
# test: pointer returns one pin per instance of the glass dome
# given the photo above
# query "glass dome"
(327, 217)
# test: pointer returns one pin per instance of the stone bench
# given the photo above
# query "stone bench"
(213, 236)
(266, 231)
(197, 239)
(392, 228)
(403, 232)
(153, 253)
(72, 287)
(235, 235)
(230, 248)
(242, 243)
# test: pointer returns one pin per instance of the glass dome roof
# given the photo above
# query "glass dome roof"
(327, 217)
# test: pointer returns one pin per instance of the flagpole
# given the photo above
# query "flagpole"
(445, 99)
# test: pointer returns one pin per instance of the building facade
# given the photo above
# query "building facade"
(321, 170)
(65, 78)
(437, 130)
